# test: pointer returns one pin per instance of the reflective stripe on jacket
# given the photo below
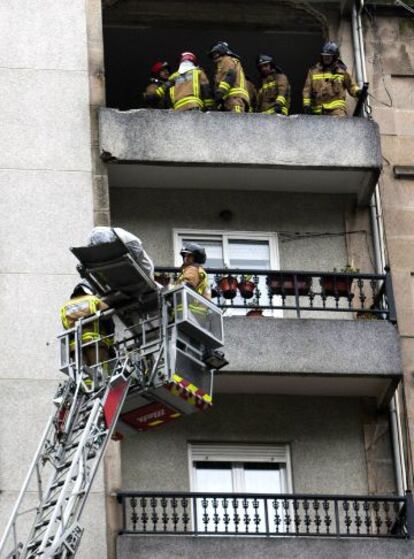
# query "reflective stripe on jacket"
(275, 90)
(230, 79)
(325, 89)
(82, 307)
(191, 90)
(155, 95)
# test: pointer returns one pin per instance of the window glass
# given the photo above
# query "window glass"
(263, 478)
(214, 477)
(249, 254)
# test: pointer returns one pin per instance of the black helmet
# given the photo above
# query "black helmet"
(82, 288)
(264, 59)
(330, 48)
(221, 48)
(196, 250)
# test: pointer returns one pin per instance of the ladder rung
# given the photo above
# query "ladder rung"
(62, 467)
(49, 504)
(57, 484)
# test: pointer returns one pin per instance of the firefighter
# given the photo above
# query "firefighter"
(229, 80)
(155, 93)
(192, 272)
(274, 92)
(326, 85)
(83, 303)
(190, 89)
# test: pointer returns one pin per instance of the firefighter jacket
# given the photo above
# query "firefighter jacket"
(82, 307)
(190, 90)
(155, 96)
(275, 90)
(325, 88)
(196, 277)
(230, 80)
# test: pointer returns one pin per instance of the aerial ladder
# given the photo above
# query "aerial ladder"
(164, 354)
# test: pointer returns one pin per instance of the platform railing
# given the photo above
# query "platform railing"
(300, 292)
(244, 514)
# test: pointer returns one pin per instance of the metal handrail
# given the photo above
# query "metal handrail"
(269, 515)
(365, 294)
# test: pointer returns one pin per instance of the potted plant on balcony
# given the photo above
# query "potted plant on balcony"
(339, 286)
(284, 284)
(246, 286)
(254, 310)
(227, 286)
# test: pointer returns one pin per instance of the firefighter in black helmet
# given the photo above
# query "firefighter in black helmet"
(230, 89)
(274, 92)
(327, 83)
(192, 273)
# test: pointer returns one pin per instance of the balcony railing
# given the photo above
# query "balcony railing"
(252, 291)
(239, 514)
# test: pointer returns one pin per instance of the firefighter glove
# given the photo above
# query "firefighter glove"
(278, 108)
(218, 95)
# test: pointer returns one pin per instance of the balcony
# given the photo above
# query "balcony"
(321, 334)
(247, 525)
(299, 153)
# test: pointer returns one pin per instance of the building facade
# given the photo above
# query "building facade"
(312, 428)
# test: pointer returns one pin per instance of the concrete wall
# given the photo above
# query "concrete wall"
(153, 214)
(175, 547)
(325, 434)
(324, 347)
(46, 206)
(390, 58)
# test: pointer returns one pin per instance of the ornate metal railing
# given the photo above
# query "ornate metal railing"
(365, 295)
(241, 514)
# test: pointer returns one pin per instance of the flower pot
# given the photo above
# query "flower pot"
(228, 287)
(255, 313)
(246, 289)
(337, 286)
(284, 284)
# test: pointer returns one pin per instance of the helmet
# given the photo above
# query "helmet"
(330, 48)
(158, 66)
(196, 250)
(264, 59)
(221, 48)
(188, 56)
(82, 288)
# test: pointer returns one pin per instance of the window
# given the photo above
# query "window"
(251, 250)
(250, 469)
(257, 251)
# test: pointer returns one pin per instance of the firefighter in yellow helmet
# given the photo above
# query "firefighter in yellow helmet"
(327, 83)
(274, 92)
(190, 88)
(155, 93)
(229, 80)
(192, 272)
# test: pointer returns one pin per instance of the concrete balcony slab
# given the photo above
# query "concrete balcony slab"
(166, 547)
(354, 358)
(147, 148)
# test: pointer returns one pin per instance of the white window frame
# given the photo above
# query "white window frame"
(238, 454)
(225, 236)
